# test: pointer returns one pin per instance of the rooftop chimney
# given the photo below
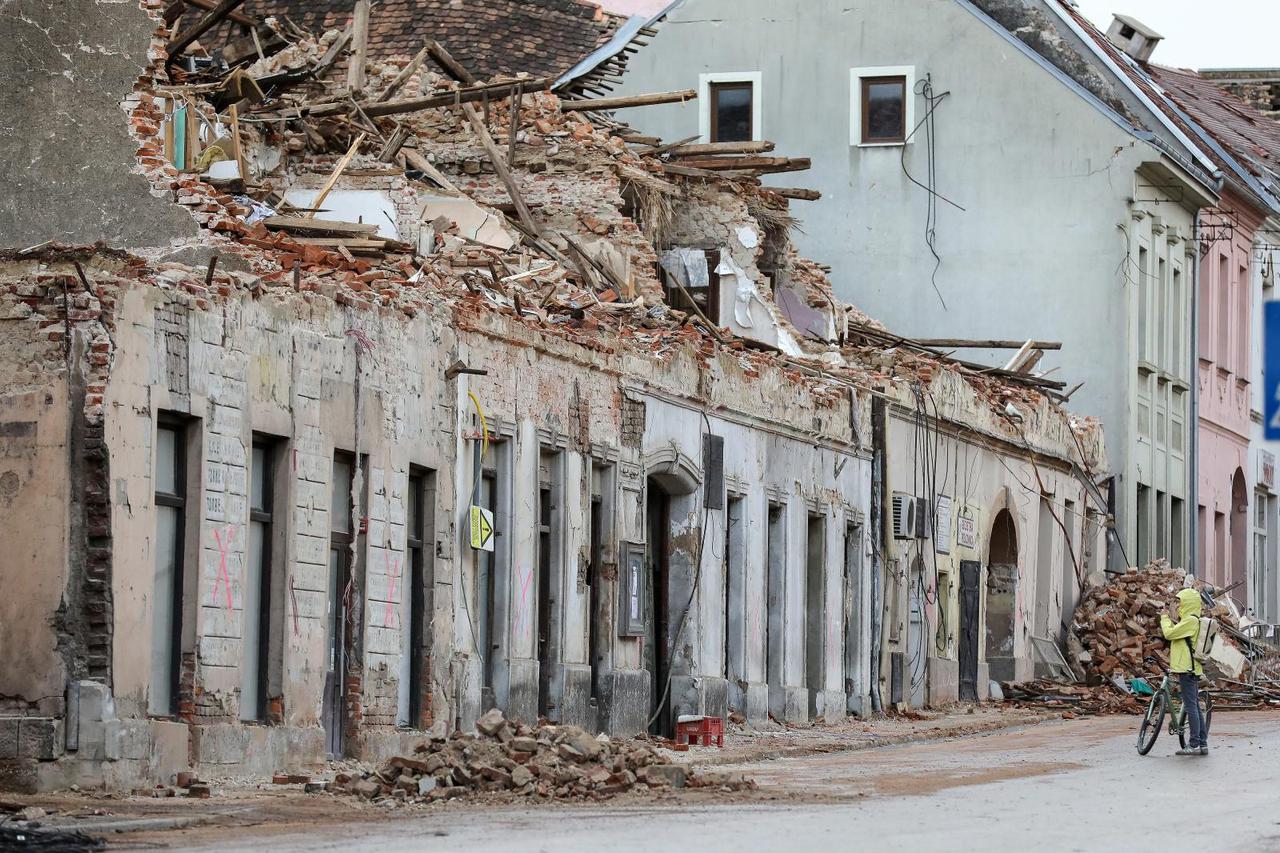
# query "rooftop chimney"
(1133, 37)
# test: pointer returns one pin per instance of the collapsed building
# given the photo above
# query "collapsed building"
(347, 399)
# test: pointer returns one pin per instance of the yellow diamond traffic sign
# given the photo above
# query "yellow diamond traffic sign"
(481, 529)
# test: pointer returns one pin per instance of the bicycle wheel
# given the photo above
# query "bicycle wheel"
(1151, 723)
(1206, 709)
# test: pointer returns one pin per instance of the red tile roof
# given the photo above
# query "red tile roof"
(1138, 74)
(544, 38)
(1250, 137)
(1194, 104)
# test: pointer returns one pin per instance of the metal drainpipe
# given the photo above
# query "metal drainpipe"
(878, 463)
(1193, 541)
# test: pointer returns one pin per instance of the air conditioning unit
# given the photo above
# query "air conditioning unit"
(906, 517)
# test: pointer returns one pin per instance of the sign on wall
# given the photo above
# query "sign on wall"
(1266, 469)
(942, 526)
(481, 529)
(966, 529)
(631, 590)
(1271, 370)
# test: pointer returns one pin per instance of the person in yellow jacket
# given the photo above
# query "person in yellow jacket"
(1181, 626)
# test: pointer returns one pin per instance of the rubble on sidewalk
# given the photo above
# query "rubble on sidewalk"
(546, 762)
(1119, 623)
(1116, 630)
(1073, 700)
(25, 832)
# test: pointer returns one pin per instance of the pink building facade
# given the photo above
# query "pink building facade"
(1225, 374)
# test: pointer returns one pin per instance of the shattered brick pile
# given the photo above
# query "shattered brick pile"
(1119, 623)
(561, 762)
(1117, 628)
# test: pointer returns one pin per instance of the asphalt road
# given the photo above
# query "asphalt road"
(1073, 785)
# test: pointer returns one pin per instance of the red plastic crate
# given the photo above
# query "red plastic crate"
(707, 731)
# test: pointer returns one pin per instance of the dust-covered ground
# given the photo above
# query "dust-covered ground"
(950, 782)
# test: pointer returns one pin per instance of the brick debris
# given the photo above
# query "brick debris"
(541, 762)
(1115, 636)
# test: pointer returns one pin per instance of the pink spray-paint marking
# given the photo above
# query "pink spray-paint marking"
(524, 598)
(223, 576)
(393, 575)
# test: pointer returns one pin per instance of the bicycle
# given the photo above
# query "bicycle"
(1162, 703)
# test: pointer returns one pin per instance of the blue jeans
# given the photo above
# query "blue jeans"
(1189, 684)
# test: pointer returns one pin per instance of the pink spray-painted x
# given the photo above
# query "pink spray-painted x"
(223, 576)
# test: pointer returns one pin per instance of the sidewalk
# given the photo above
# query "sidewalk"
(239, 802)
(744, 745)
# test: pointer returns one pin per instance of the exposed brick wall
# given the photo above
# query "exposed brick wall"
(632, 423)
(427, 716)
(98, 606)
(65, 332)
(1261, 94)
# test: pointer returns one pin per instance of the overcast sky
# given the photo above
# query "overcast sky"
(1198, 33)
(1203, 33)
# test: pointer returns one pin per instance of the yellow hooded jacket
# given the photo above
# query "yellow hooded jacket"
(1186, 628)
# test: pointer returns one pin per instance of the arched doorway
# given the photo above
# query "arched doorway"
(1237, 573)
(1002, 593)
(657, 644)
(670, 487)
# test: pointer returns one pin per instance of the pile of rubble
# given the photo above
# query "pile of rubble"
(1073, 699)
(546, 762)
(1116, 633)
(1119, 623)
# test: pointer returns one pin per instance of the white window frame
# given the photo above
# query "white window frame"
(755, 78)
(856, 76)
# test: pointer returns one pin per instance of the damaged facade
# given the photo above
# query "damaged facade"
(362, 420)
(983, 175)
(1160, 323)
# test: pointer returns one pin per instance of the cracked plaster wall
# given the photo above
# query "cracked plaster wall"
(65, 144)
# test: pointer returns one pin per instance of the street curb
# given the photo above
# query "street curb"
(801, 751)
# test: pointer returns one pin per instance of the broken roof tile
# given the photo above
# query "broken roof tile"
(543, 38)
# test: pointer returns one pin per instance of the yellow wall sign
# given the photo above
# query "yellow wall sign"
(481, 529)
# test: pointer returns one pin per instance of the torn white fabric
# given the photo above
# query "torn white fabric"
(744, 291)
(257, 210)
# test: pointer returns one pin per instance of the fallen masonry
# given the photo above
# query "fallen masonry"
(1116, 634)
(545, 762)
(435, 306)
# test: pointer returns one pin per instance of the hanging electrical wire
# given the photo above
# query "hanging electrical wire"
(924, 89)
(475, 492)
(693, 590)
